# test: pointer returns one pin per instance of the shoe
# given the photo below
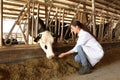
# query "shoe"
(85, 70)
(91, 67)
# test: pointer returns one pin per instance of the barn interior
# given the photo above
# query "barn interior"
(20, 60)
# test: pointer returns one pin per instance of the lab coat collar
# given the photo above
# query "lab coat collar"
(80, 32)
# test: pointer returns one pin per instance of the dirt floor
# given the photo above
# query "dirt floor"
(31, 64)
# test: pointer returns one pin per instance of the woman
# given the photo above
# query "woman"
(88, 48)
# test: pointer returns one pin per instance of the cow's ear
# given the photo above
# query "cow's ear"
(38, 37)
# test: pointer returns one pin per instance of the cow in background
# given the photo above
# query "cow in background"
(44, 38)
(66, 30)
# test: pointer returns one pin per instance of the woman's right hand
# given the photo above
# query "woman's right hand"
(64, 54)
(61, 55)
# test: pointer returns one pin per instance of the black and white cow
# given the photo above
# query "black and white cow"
(44, 38)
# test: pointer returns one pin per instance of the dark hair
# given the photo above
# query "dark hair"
(82, 26)
(77, 23)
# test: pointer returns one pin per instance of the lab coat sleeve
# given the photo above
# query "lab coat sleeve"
(82, 39)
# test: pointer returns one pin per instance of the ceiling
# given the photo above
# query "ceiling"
(109, 9)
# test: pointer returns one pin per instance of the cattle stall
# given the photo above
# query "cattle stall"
(56, 17)
(21, 58)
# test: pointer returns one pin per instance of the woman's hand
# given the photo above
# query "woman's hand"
(64, 54)
(61, 55)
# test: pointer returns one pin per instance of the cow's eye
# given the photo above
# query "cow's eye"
(45, 47)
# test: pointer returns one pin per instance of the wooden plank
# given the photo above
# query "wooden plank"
(1, 21)
(93, 17)
(11, 13)
(56, 21)
(10, 17)
(33, 21)
(28, 18)
(12, 4)
(62, 25)
(87, 11)
(115, 6)
(37, 22)
(65, 3)
(99, 6)
(19, 1)
(11, 9)
(16, 22)
(59, 26)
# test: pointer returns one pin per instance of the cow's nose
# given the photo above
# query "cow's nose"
(50, 57)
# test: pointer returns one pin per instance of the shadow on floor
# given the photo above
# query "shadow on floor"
(111, 55)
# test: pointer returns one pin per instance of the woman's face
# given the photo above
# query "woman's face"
(74, 29)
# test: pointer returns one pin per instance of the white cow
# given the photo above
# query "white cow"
(45, 39)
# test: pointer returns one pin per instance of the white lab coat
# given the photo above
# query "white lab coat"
(90, 45)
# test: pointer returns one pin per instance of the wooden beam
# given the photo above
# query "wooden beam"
(37, 23)
(33, 9)
(11, 9)
(12, 4)
(62, 25)
(93, 17)
(88, 3)
(16, 22)
(113, 5)
(10, 17)
(11, 13)
(28, 18)
(19, 1)
(1, 21)
(98, 6)
(65, 3)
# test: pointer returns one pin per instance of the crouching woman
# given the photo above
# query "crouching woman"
(89, 51)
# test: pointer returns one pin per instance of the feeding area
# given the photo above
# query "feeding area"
(34, 32)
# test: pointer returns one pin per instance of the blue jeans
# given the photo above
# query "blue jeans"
(81, 56)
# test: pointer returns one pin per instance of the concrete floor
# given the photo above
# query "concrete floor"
(107, 69)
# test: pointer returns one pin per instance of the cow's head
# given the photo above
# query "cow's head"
(45, 39)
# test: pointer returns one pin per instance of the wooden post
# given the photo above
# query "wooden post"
(59, 26)
(20, 17)
(37, 20)
(56, 20)
(84, 15)
(56, 25)
(1, 21)
(52, 19)
(110, 32)
(62, 25)
(46, 15)
(102, 30)
(93, 17)
(28, 18)
(33, 21)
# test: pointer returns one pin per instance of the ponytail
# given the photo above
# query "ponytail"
(82, 26)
